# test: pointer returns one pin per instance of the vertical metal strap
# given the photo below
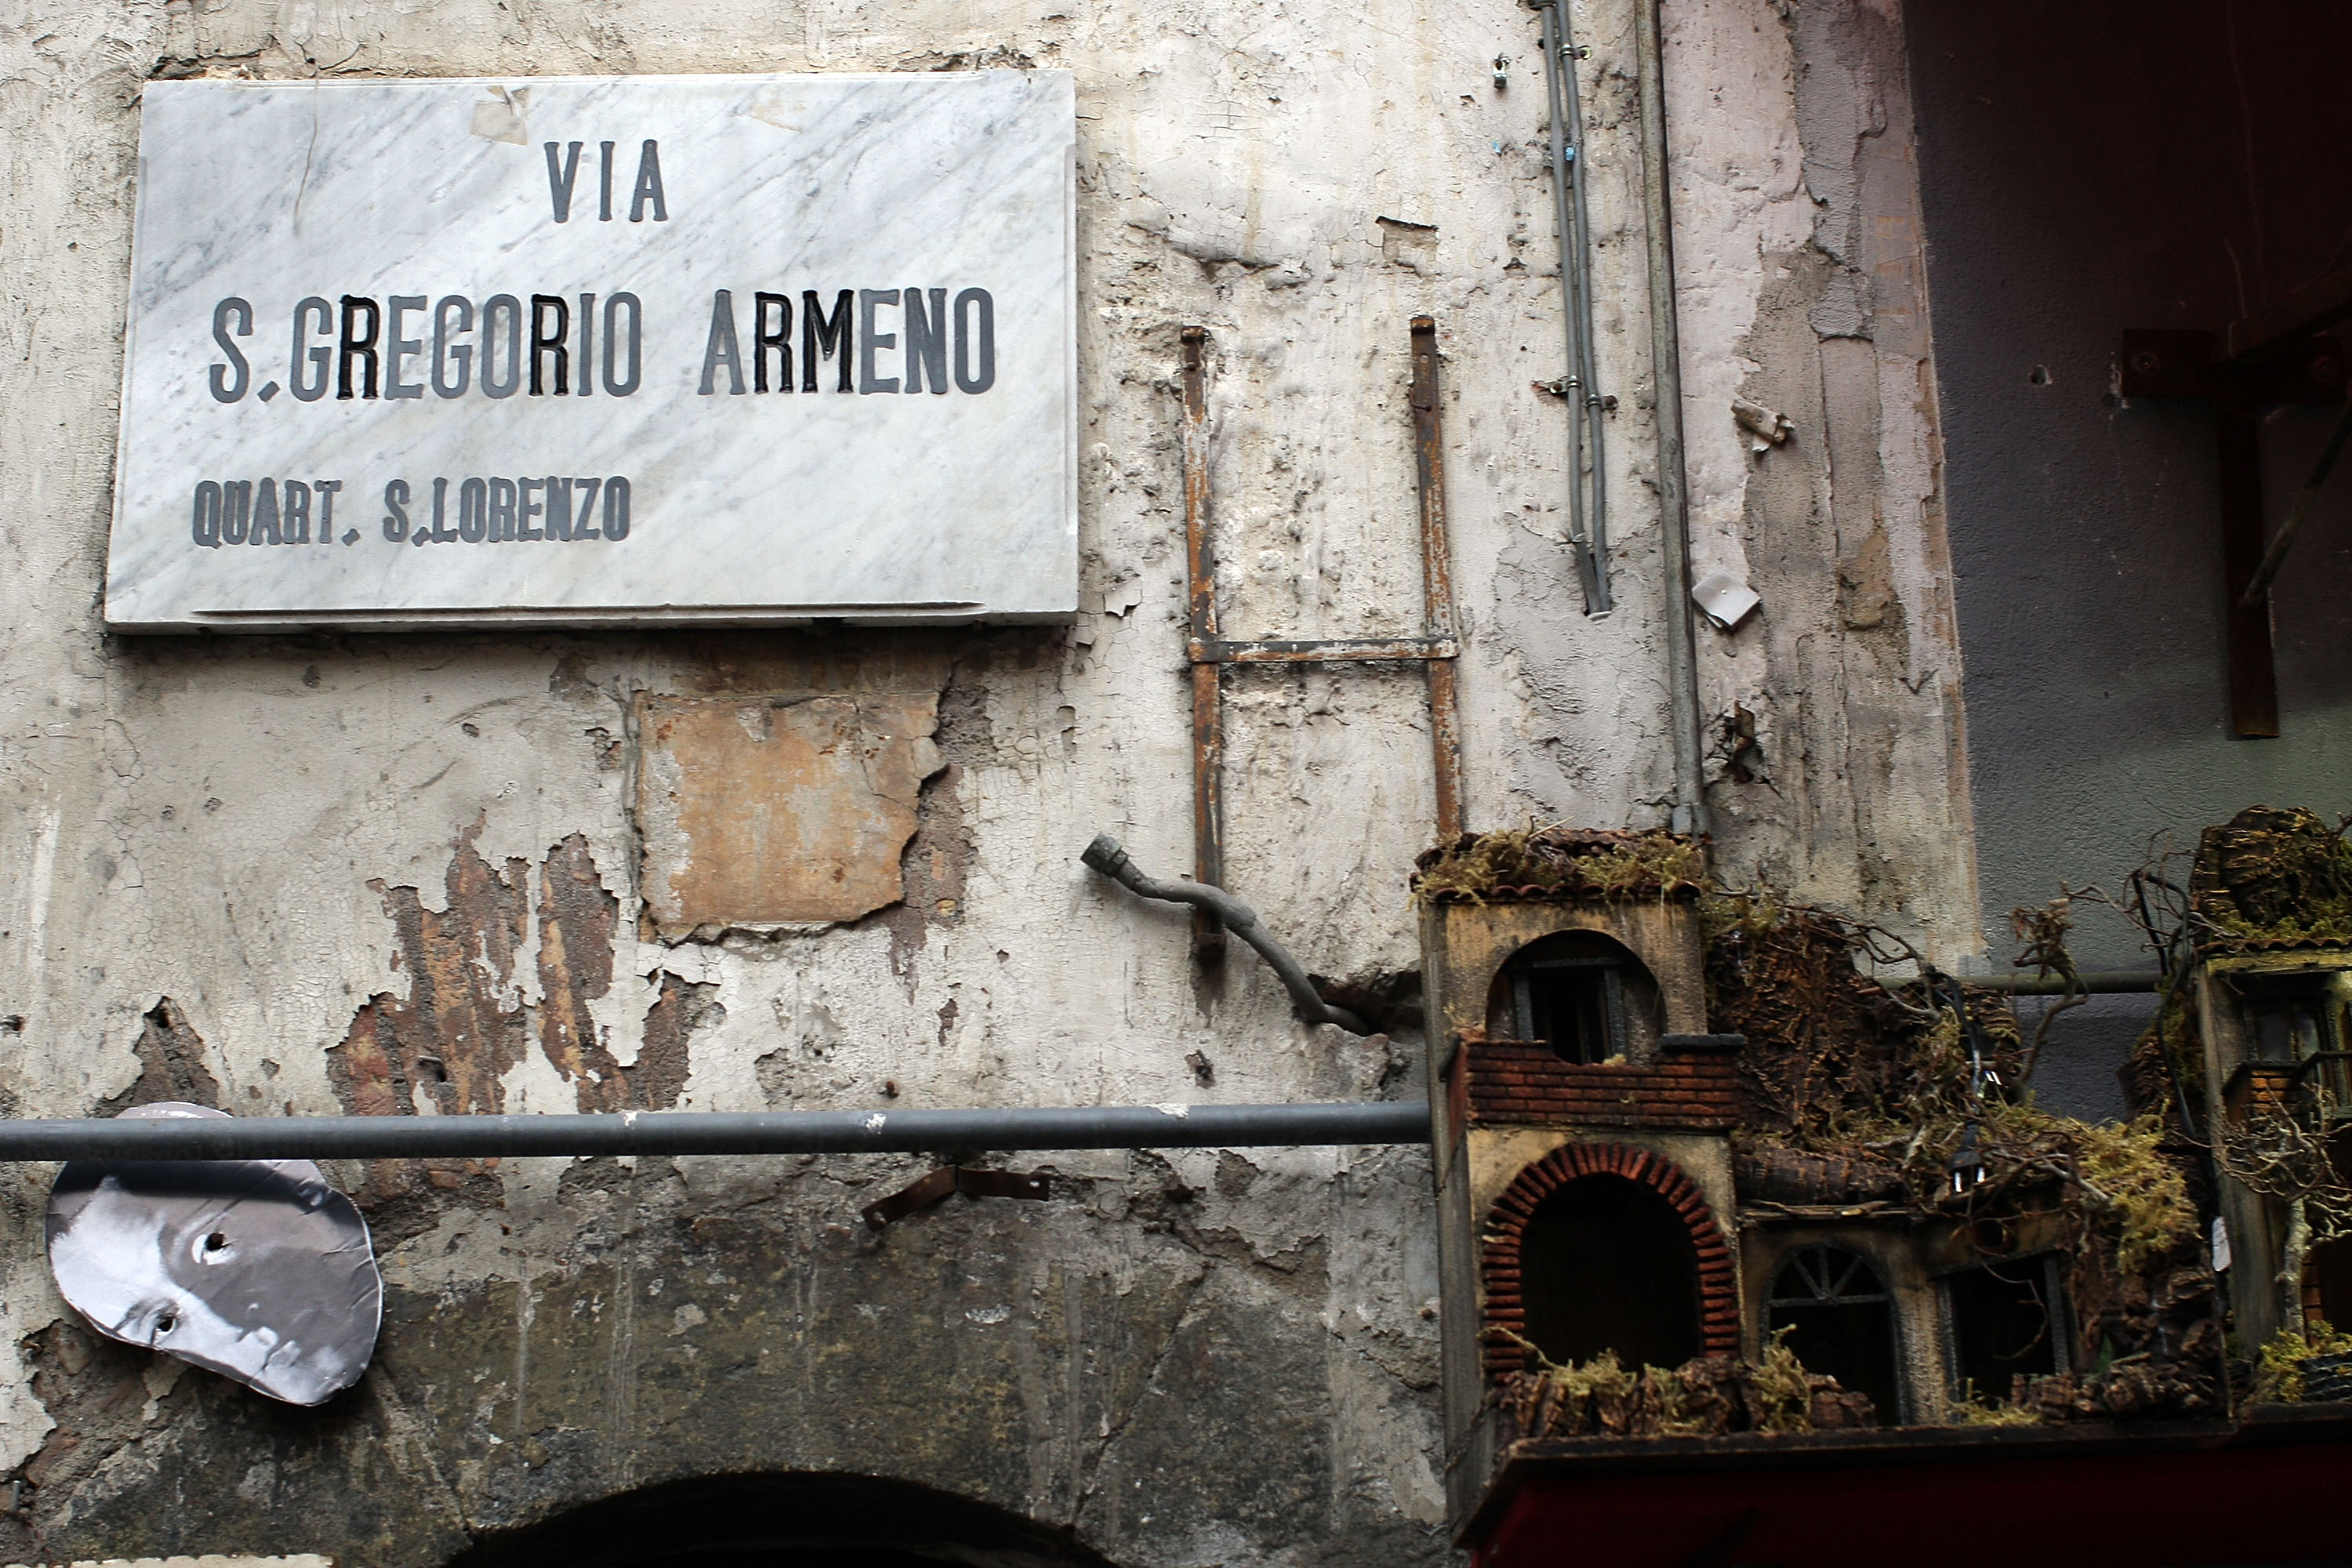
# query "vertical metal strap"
(2253, 677)
(1437, 576)
(1666, 376)
(1208, 719)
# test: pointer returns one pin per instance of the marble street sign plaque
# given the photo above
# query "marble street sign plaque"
(613, 351)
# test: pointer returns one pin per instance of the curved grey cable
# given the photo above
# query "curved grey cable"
(1106, 855)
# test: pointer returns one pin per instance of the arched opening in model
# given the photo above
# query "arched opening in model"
(1608, 1264)
(783, 1520)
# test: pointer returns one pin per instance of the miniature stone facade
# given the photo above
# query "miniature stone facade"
(1539, 1156)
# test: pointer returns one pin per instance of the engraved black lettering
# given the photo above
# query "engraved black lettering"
(587, 384)
(265, 516)
(559, 507)
(473, 510)
(765, 337)
(649, 186)
(823, 336)
(501, 511)
(205, 521)
(559, 181)
(617, 508)
(357, 345)
(325, 489)
(615, 385)
(502, 314)
(927, 340)
(398, 348)
(395, 511)
(298, 512)
(226, 390)
(318, 355)
(869, 341)
(581, 527)
(975, 341)
(446, 352)
(720, 347)
(551, 326)
(236, 506)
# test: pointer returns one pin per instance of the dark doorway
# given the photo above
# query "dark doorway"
(794, 1521)
(2006, 1321)
(1608, 1264)
(1841, 1323)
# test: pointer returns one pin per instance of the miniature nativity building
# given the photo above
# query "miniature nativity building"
(1699, 1175)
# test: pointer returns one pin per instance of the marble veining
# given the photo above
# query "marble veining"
(458, 247)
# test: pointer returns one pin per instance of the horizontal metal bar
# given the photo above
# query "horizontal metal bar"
(2097, 982)
(716, 1133)
(1329, 650)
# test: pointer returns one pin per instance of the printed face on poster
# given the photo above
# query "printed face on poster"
(608, 352)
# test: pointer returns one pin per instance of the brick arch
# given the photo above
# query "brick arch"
(1506, 1221)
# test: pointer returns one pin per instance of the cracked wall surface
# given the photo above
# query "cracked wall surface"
(418, 875)
(1836, 740)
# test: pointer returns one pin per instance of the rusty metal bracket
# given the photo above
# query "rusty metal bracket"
(1208, 653)
(2307, 368)
(949, 1180)
(1208, 696)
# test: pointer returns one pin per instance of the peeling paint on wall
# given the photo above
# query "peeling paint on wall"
(778, 810)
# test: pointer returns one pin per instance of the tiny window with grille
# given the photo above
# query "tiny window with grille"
(1840, 1322)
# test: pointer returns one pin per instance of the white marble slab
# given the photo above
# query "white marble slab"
(882, 503)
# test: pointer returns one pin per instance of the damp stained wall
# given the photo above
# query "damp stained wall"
(2085, 173)
(424, 874)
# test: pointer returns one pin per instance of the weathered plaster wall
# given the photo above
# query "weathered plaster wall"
(403, 873)
(1834, 713)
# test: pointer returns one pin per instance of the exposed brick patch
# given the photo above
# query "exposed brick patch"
(1506, 1221)
(1523, 1083)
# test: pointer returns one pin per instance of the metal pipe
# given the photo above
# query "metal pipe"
(1200, 624)
(1576, 380)
(1665, 355)
(716, 1133)
(2091, 982)
(1593, 409)
(1105, 856)
(1436, 577)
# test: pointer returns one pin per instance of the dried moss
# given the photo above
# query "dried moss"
(1836, 1061)
(1562, 862)
(2278, 1370)
(2126, 1167)
(1970, 1410)
(1783, 1389)
(1703, 1397)
(2273, 878)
